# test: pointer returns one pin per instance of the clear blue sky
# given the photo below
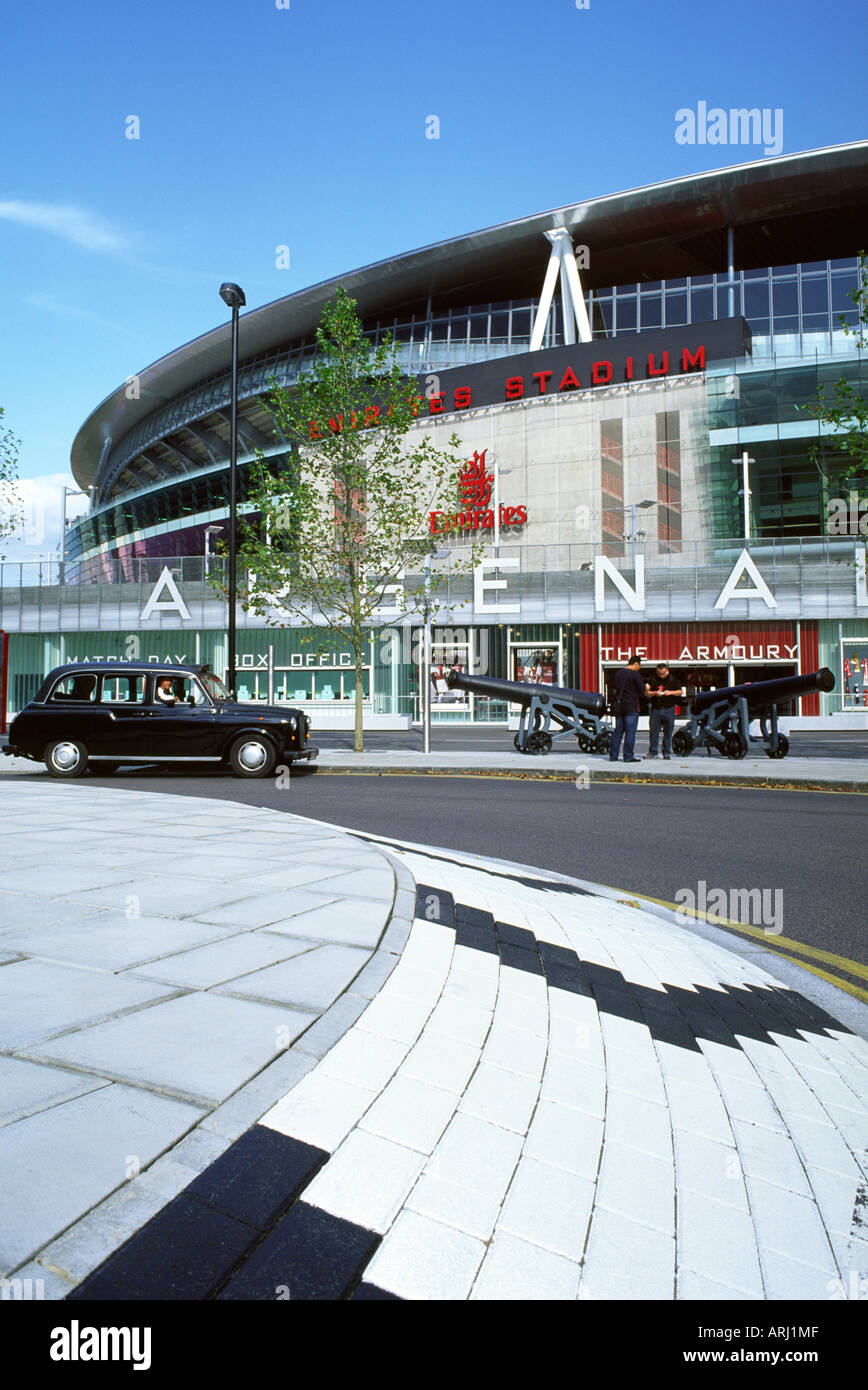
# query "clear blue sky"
(305, 127)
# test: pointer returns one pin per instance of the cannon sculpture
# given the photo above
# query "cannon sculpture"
(547, 712)
(721, 718)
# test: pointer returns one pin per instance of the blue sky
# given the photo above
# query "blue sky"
(262, 127)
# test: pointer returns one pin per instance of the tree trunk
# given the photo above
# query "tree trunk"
(358, 647)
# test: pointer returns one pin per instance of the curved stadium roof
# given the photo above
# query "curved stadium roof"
(789, 209)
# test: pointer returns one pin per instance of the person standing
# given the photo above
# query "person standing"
(629, 690)
(662, 713)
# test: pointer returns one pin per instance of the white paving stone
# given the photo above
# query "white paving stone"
(565, 1138)
(549, 1207)
(573, 1083)
(717, 1241)
(455, 1205)
(515, 1050)
(641, 1124)
(392, 1015)
(364, 1059)
(637, 1186)
(366, 1181)
(466, 1022)
(515, 1270)
(504, 1098)
(789, 1224)
(442, 1061)
(320, 1110)
(424, 1259)
(476, 1154)
(411, 1113)
(707, 1167)
(625, 1260)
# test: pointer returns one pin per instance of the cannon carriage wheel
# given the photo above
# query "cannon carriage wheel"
(682, 743)
(782, 749)
(734, 745)
(539, 743)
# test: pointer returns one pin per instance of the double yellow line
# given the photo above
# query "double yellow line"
(784, 946)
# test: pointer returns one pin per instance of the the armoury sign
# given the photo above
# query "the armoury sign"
(475, 492)
(557, 371)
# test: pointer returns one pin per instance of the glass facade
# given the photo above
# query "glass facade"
(792, 310)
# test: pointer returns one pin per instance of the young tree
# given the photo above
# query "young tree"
(843, 453)
(344, 530)
(10, 498)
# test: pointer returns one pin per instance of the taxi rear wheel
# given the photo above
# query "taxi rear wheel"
(252, 755)
(66, 758)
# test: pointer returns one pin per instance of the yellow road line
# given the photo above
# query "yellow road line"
(851, 967)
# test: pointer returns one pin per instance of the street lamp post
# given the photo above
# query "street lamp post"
(233, 297)
(425, 673)
(633, 507)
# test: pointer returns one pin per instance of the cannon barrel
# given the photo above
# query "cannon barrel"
(762, 694)
(522, 694)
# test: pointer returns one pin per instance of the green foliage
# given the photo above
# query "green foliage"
(345, 527)
(842, 455)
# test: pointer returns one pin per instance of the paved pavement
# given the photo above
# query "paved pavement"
(846, 774)
(246, 1056)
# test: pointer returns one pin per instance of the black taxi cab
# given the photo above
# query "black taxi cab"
(101, 714)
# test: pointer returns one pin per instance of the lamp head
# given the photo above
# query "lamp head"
(232, 295)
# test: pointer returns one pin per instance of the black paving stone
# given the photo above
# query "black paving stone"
(514, 956)
(435, 905)
(477, 938)
(556, 955)
(370, 1291)
(184, 1252)
(258, 1176)
(309, 1254)
(473, 917)
(567, 978)
(516, 936)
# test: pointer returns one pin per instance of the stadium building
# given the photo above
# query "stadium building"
(620, 373)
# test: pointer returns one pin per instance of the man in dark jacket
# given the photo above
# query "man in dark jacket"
(629, 690)
(661, 717)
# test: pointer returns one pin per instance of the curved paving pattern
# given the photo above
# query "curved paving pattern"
(531, 1091)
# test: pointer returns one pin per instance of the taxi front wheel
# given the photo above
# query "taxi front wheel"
(252, 755)
(66, 758)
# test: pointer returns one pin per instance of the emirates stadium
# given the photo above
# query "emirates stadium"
(628, 377)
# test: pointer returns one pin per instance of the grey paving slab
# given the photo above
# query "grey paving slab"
(311, 981)
(263, 909)
(224, 960)
(108, 940)
(19, 910)
(57, 1164)
(365, 883)
(39, 999)
(163, 895)
(60, 877)
(201, 1046)
(27, 1087)
(358, 922)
